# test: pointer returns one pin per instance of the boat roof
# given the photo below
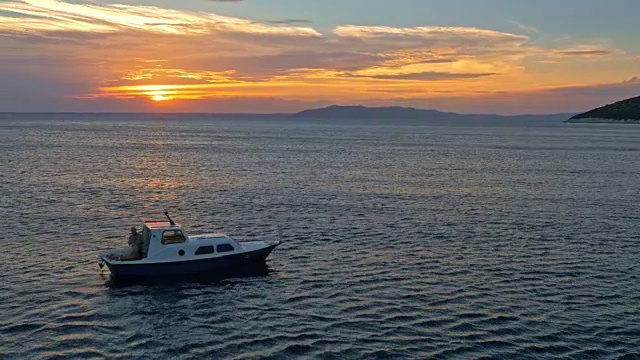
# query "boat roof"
(159, 224)
(213, 235)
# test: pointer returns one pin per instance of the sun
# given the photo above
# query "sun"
(159, 98)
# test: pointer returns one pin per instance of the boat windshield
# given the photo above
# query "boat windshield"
(172, 237)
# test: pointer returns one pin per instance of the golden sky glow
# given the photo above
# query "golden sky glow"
(138, 54)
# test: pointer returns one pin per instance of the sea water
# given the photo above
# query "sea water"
(402, 239)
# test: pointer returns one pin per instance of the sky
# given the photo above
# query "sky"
(271, 56)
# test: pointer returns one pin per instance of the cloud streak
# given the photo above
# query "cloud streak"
(584, 53)
(432, 35)
(60, 16)
(431, 76)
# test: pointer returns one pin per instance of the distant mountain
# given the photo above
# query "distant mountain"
(396, 112)
(363, 112)
(625, 111)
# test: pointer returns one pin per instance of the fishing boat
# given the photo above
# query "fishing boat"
(168, 251)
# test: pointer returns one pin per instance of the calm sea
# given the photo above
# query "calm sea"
(492, 239)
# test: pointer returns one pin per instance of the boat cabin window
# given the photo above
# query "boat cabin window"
(222, 248)
(172, 237)
(203, 250)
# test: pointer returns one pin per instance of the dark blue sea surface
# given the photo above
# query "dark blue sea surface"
(491, 239)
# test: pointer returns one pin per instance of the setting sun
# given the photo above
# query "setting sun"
(159, 98)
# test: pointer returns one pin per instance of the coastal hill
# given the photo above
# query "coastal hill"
(625, 111)
(396, 112)
(363, 112)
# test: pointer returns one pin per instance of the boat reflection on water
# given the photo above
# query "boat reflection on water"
(254, 270)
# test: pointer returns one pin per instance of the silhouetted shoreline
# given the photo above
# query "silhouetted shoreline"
(621, 112)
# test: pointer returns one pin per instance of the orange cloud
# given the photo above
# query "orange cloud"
(435, 34)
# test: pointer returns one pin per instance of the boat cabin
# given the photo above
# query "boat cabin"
(164, 240)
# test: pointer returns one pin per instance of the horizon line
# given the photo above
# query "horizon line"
(275, 113)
